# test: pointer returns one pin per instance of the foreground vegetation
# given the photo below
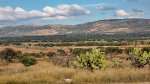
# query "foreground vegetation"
(47, 73)
(78, 65)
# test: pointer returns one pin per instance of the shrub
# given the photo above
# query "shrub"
(113, 50)
(91, 61)
(50, 54)
(9, 54)
(147, 49)
(138, 58)
(128, 50)
(78, 51)
(61, 52)
(41, 54)
(37, 55)
(27, 60)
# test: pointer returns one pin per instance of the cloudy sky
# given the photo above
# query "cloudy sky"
(18, 12)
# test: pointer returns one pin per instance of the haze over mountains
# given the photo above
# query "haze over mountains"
(112, 26)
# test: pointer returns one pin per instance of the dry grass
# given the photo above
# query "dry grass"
(46, 73)
(39, 49)
(23, 49)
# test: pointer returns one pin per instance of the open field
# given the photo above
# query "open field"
(21, 49)
(31, 49)
(46, 73)
(119, 70)
(74, 42)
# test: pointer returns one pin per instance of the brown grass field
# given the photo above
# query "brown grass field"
(47, 73)
(37, 50)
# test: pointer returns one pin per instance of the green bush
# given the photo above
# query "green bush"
(138, 58)
(51, 54)
(27, 60)
(91, 60)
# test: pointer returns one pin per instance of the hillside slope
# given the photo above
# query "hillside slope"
(112, 26)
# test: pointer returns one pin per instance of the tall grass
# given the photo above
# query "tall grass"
(46, 73)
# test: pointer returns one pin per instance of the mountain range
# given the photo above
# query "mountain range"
(110, 26)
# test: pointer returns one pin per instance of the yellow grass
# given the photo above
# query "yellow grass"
(46, 73)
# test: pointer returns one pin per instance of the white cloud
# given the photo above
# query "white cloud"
(60, 12)
(18, 9)
(66, 10)
(121, 13)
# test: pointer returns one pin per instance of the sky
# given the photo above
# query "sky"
(40, 12)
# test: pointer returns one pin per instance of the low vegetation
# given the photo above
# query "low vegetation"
(81, 65)
(139, 58)
(9, 54)
(27, 60)
(94, 60)
(45, 72)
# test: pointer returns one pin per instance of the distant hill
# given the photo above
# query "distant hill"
(112, 26)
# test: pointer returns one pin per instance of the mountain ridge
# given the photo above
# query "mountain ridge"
(110, 26)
